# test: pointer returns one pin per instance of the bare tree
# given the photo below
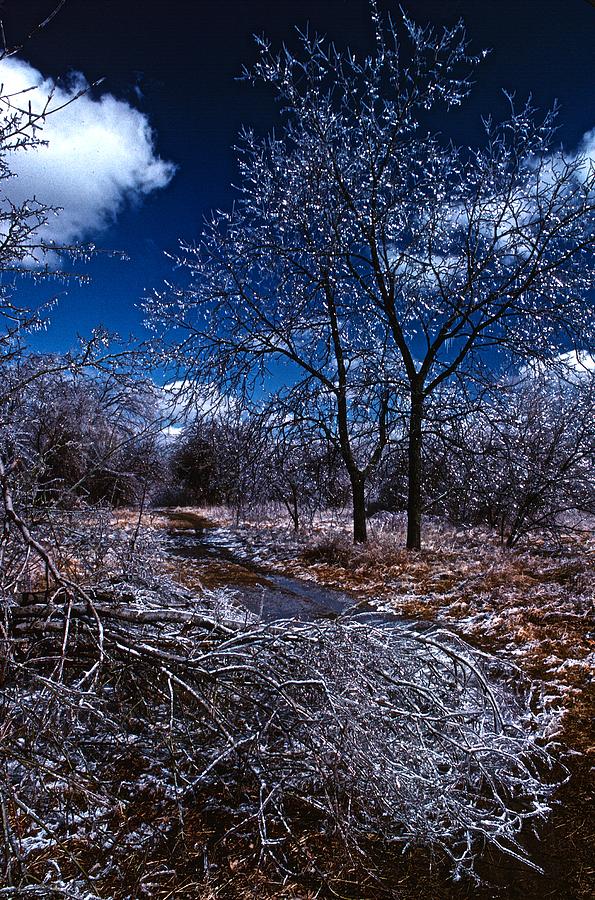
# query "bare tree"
(524, 461)
(88, 434)
(305, 471)
(221, 458)
(364, 251)
(334, 387)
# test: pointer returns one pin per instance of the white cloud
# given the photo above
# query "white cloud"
(183, 402)
(573, 367)
(587, 150)
(100, 154)
(579, 361)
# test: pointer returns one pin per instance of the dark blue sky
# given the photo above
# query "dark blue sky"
(177, 60)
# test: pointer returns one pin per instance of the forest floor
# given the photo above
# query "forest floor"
(133, 838)
(532, 605)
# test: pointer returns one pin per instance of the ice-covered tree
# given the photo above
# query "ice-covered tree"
(523, 463)
(68, 422)
(370, 255)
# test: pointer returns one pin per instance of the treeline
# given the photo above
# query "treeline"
(517, 461)
(79, 435)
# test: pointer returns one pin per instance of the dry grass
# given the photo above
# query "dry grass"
(530, 605)
(533, 605)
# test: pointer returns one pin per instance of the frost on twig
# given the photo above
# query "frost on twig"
(365, 732)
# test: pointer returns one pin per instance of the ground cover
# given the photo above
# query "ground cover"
(532, 605)
(109, 769)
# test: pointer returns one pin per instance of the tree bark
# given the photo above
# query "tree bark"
(360, 534)
(294, 511)
(415, 472)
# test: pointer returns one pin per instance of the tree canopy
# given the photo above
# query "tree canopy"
(379, 259)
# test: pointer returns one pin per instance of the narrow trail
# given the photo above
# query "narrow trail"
(227, 561)
(224, 558)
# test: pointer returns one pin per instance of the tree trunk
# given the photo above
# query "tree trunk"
(415, 472)
(360, 534)
(295, 512)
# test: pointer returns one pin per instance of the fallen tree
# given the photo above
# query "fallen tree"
(365, 732)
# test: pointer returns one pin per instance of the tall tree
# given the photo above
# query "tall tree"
(367, 251)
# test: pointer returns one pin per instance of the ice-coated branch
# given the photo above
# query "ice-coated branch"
(381, 732)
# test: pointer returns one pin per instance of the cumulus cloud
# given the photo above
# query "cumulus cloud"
(100, 154)
(587, 150)
(183, 403)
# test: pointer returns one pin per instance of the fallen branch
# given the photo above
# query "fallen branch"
(368, 733)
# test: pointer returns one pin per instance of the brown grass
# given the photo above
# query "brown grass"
(527, 605)
(533, 605)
